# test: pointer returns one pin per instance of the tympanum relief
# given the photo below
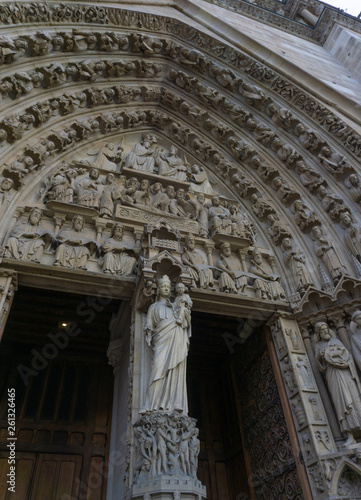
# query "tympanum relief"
(90, 214)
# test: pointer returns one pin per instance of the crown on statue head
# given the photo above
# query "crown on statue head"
(164, 279)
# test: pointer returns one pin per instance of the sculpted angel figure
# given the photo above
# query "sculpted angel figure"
(108, 156)
(335, 361)
(168, 335)
(199, 180)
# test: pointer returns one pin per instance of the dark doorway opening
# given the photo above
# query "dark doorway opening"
(213, 402)
(53, 353)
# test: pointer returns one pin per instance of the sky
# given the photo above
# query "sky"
(352, 7)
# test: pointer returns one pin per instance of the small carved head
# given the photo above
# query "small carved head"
(190, 242)
(164, 286)
(257, 256)
(226, 249)
(35, 215)
(7, 184)
(356, 318)
(322, 331)
(345, 218)
(110, 178)
(286, 244)
(94, 174)
(180, 288)
(117, 230)
(78, 222)
(170, 191)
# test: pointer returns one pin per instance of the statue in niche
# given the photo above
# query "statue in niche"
(116, 258)
(74, 249)
(61, 186)
(336, 362)
(232, 279)
(352, 236)
(354, 185)
(168, 330)
(6, 187)
(327, 253)
(108, 156)
(27, 240)
(200, 271)
(141, 157)
(355, 327)
(266, 284)
(199, 180)
(296, 263)
(171, 165)
(219, 217)
(88, 190)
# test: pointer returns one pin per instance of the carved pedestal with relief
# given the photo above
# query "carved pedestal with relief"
(167, 449)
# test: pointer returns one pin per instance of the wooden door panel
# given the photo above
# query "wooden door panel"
(25, 464)
(55, 476)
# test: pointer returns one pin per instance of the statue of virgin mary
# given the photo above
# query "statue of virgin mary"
(168, 335)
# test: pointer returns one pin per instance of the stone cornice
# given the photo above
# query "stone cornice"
(279, 15)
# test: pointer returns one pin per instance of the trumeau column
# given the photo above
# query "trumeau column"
(325, 455)
(8, 287)
(119, 358)
(163, 442)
